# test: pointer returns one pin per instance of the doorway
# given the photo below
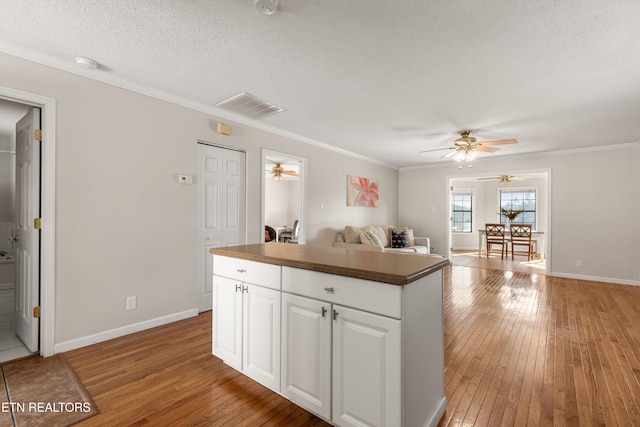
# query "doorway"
(283, 197)
(36, 299)
(19, 241)
(221, 209)
(474, 200)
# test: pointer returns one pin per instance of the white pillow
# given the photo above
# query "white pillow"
(368, 238)
(352, 234)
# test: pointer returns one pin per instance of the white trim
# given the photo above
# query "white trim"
(48, 191)
(104, 77)
(124, 330)
(596, 279)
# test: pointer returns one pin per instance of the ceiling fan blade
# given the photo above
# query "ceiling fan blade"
(291, 173)
(489, 178)
(501, 142)
(486, 149)
(450, 153)
(436, 149)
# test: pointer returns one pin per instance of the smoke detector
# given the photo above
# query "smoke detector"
(268, 7)
(87, 63)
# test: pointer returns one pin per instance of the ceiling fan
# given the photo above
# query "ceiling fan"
(278, 173)
(466, 147)
(503, 179)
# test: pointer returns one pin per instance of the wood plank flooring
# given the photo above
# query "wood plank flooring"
(520, 349)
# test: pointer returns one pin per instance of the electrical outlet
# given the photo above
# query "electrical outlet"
(130, 303)
(579, 263)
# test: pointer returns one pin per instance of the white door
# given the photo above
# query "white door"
(306, 353)
(367, 369)
(227, 321)
(261, 335)
(221, 206)
(28, 237)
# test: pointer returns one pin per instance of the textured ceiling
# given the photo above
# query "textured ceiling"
(384, 79)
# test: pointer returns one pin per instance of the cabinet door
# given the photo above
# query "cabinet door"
(306, 353)
(261, 335)
(367, 369)
(227, 321)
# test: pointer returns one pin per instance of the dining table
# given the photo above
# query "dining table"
(507, 235)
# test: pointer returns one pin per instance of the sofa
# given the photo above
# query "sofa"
(382, 238)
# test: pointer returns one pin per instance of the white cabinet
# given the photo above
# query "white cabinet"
(246, 320)
(367, 366)
(355, 352)
(385, 355)
(306, 353)
(364, 350)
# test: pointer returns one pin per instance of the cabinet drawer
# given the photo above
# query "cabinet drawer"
(267, 275)
(366, 295)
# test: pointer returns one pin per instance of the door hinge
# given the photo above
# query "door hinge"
(36, 312)
(37, 134)
(37, 223)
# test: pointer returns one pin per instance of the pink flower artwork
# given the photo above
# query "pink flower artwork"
(362, 192)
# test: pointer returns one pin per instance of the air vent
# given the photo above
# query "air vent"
(248, 105)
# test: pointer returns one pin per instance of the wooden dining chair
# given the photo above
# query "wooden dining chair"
(521, 236)
(495, 234)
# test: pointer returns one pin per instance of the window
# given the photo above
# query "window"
(462, 210)
(522, 200)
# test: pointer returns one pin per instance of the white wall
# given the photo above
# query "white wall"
(282, 204)
(126, 227)
(594, 207)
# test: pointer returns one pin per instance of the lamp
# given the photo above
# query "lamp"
(268, 7)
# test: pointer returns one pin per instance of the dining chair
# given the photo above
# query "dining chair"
(521, 236)
(290, 236)
(495, 234)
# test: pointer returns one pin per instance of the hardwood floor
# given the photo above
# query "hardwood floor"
(520, 349)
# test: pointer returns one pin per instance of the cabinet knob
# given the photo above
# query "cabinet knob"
(335, 314)
(330, 290)
(241, 270)
(245, 289)
(324, 311)
(238, 288)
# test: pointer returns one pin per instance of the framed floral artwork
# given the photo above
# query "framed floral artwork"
(362, 191)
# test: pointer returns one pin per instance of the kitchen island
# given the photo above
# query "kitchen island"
(356, 337)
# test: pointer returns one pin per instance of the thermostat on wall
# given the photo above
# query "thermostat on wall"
(185, 179)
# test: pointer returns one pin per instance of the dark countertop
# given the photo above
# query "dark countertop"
(392, 268)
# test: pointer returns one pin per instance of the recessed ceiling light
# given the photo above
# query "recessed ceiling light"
(87, 63)
(268, 7)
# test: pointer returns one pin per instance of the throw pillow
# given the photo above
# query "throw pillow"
(382, 236)
(352, 234)
(399, 239)
(368, 238)
(412, 239)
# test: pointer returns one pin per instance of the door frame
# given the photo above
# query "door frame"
(545, 172)
(302, 162)
(47, 209)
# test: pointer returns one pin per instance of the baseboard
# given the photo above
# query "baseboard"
(596, 279)
(122, 331)
(438, 413)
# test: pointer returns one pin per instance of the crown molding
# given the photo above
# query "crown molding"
(103, 77)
